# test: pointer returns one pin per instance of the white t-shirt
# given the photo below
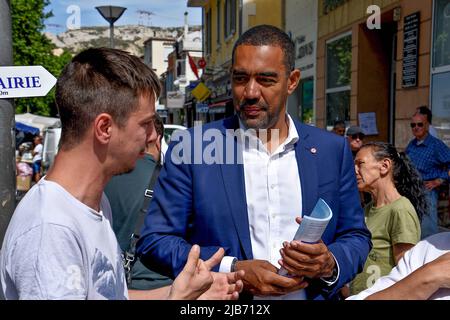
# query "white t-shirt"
(37, 152)
(58, 248)
(425, 251)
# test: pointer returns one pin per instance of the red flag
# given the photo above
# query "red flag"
(193, 66)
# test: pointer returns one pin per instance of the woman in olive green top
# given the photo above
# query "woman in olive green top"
(393, 216)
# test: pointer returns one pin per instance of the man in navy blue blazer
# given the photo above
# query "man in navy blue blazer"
(243, 183)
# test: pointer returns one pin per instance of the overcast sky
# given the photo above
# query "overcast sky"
(165, 13)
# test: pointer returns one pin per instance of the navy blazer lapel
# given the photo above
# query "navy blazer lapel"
(306, 154)
(234, 183)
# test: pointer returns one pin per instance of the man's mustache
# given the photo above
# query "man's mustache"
(246, 104)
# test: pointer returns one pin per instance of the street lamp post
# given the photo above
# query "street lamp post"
(111, 14)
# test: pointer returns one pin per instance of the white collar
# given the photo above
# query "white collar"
(291, 138)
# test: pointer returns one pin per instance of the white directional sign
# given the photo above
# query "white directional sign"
(21, 82)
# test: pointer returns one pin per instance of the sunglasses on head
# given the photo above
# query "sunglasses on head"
(357, 135)
(419, 124)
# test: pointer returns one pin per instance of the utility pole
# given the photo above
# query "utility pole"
(7, 133)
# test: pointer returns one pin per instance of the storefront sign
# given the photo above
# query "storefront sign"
(302, 22)
(201, 108)
(411, 50)
(217, 110)
(303, 49)
(175, 100)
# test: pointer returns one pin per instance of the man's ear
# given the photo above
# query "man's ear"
(293, 80)
(103, 124)
(158, 143)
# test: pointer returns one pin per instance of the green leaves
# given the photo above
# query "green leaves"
(31, 47)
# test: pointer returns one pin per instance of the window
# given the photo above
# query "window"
(230, 17)
(208, 32)
(338, 78)
(307, 101)
(441, 98)
(440, 71)
(441, 34)
(181, 68)
(219, 21)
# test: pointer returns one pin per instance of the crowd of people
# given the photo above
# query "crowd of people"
(399, 195)
(111, 221)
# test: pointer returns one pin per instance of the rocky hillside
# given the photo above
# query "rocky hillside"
(128, 38)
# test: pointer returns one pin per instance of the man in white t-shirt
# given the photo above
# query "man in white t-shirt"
(37, 158)
(60, 243)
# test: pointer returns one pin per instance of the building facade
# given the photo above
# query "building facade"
(367, 62)
(376, 75)
(156, 51)
(301, 25)
(182, 72)
(377, 61)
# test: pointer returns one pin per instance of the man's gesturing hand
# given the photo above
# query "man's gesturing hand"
(261, 279)
(195, 278)
(226, 286)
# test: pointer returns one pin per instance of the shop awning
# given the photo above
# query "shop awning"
(27, 129)
(36, 121)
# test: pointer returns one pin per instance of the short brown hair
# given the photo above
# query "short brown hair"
(159, 126)
(101, 80)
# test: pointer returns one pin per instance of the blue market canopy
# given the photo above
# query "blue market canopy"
(26, 128)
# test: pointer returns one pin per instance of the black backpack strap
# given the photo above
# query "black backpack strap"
(130, 254)
(148, 195)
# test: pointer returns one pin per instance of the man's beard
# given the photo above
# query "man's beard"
(266, 122)
(124, 169)
(121, 171)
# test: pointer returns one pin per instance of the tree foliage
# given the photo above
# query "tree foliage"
(31, 47)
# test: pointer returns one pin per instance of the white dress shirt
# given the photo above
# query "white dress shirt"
(274, 198)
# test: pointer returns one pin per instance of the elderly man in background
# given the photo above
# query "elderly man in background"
(432, 159)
